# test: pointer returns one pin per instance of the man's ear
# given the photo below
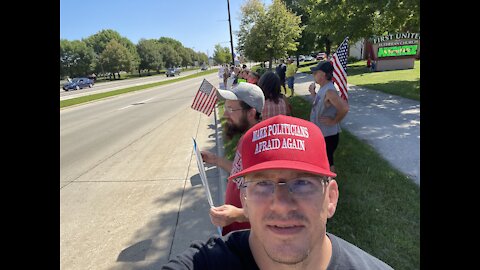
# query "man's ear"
(332, 193)
(251, 114)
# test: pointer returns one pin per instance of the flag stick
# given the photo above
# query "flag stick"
(203, 177)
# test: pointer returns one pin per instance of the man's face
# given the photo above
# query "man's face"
(319, 76)
(284, 226)
(237, 121)
(252, 79)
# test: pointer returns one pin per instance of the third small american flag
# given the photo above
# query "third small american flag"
(205, 99)
(339, 62)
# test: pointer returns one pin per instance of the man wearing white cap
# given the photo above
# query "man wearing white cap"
(243, 107)
(288, 194)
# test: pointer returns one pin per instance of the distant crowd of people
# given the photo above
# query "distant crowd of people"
(232, 75)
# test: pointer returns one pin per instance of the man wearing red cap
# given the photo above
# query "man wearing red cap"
(287, 193)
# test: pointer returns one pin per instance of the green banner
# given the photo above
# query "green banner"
(397, 50)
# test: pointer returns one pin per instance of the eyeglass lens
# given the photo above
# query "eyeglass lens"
(300, 188)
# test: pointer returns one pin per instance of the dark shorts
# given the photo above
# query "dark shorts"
(331, 143)
(290, 81)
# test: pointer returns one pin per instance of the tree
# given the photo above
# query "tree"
(132, 49)
(150, 55)
(252, 11)
(333, 20)
(309, 41)
(115, 58)
(177, 46)
(76, 59)
(186, 58)
(192, 54)
(100, 40)
(273, 34)
(172, 42)
(170, 55)
(221, 55)
(202, 58)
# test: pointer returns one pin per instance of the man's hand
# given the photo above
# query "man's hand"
(311, 88)
(226, 214)
(209, 157)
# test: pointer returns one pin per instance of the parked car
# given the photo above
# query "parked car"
(309, 58)
(78, 83)
(204, 68)
(172, 72)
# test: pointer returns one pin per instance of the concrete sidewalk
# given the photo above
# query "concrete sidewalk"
(389, 123)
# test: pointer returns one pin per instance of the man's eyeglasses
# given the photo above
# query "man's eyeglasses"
(300, 188)
(230, 110)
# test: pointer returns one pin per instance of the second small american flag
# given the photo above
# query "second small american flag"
(205, 99)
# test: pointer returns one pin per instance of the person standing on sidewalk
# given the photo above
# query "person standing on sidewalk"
(243, 108)
(290, 75)
(288, 194)
(281, 70)
(328, 108)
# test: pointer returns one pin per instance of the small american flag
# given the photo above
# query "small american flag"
(339, 62)
(205, 99)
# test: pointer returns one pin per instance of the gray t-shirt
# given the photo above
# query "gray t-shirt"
(319, 109)
(232, 252)
(346, 256)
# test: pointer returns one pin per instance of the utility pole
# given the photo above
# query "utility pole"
(230, 24)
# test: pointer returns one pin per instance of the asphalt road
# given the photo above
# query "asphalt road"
(114, 85)
(130, 193)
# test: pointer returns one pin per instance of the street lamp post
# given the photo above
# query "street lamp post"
(230, 24)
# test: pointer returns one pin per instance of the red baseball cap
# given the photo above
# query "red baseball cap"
(284, 142)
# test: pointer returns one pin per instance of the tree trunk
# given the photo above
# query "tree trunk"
(328, 44)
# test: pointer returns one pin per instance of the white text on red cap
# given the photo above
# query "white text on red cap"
(276, 143)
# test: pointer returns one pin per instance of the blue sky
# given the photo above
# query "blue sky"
(197, 24)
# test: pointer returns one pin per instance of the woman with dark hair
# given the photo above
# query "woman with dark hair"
(275, 102)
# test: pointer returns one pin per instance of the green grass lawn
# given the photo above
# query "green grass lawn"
(378, 208)
(404, 83)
